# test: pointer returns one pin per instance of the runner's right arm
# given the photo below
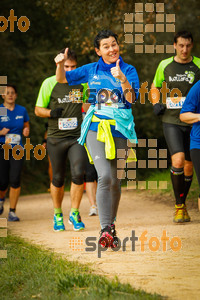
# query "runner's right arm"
(42, 112)
(44, 96)
(60, 72)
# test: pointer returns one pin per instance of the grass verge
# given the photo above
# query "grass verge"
(30, 272)
(165, 176)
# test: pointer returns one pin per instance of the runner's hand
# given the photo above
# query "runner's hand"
(61, 57)
(44, 144)
(26, 131)
(159, 109)
(4, 131)
(117, 73)
(56, 113)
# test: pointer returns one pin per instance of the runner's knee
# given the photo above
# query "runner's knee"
(116, 184)
(14, 181)
(178, 160)
(3, 186)
(104, 179)
(78, 178)
(15, 184)
(188, 168)
(58, 181)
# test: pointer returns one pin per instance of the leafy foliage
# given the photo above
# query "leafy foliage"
(27, 58)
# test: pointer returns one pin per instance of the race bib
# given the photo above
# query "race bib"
(110, 103)
(12, 138)
(114, 105)
(175, 103)
(67, 123)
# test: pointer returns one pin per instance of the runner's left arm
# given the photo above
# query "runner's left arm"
(190, 117)
(26, 129)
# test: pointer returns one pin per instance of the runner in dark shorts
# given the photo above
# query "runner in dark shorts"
(180, 72)
(62, 104)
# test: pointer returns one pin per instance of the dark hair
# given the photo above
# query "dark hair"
(71, 55)
(13, 86)
(184, 34)
(104, 34)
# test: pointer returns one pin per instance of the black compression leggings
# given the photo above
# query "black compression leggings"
(90, 172)
(10, 171)
(178, 139)
(59, 150)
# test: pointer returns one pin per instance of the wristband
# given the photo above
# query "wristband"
(44, 141)
(124, 81)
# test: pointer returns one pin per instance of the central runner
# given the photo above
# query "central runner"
(108, 124)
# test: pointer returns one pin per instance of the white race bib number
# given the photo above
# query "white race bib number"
(12, 138)
(175, 103)
(114, 105)
(67, 123)
(110, 104)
